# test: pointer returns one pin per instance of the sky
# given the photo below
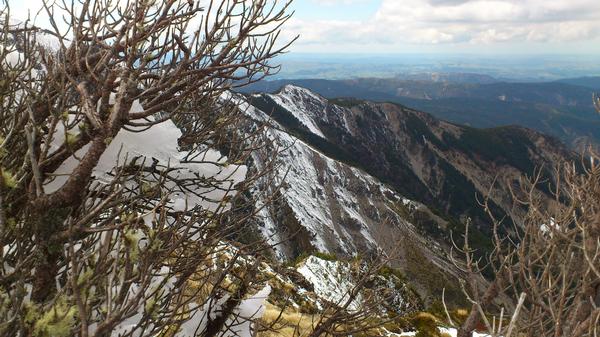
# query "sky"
(447, 26)
(437, 26)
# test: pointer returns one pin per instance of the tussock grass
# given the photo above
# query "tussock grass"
(291, 323)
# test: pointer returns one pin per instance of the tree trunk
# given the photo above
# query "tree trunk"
(48, 255)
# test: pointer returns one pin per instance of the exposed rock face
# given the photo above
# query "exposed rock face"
(563, 110)
(330, 206)
(434, 162)
(356, 176)
(342, 209)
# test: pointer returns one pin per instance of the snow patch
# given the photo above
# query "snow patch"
(332, 280)
(301, 104)
(159, 144)
(449, 331)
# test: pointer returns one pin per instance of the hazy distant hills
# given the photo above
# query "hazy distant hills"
(592, 82)
(507, 68)
(450, 77)
(563, 108)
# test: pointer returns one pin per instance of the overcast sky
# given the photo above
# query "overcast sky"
(439, 26)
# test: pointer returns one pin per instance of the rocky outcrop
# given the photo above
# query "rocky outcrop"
(357, 176)
(437, 163)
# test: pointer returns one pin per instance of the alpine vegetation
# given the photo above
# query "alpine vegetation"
(121, 171)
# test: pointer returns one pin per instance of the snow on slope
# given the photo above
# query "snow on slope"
(332, 280)
(314, 206)
(344, 209)
(301, 103)
(302, 198)
(449, 331)
(158, 143)
(242, 325)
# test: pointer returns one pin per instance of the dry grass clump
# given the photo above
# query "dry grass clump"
(289, 323)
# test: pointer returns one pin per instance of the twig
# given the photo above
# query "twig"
(513, 320)
(445, 307)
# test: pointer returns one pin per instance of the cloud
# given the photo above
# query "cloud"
(447, 2)
(472, 22)
(339, 2)
(397, 24)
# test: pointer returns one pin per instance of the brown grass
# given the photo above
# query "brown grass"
(291, 323)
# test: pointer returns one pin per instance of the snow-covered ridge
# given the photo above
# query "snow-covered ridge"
(303, 104)
(324, 196)
(328, 205)
(343, 209)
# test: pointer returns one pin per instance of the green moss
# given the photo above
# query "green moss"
(426, 325)
(387, 271)
(325, 256)
(131, 239)
(84, 277)
(71, 138)
(296, 261)
(9, 180)
(58, 320)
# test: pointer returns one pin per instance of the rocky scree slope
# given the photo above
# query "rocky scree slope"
(328, 205)
(354, 164)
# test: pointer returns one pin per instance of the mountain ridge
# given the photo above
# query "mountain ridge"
(562, 110)
(357, 176)
(415, 134)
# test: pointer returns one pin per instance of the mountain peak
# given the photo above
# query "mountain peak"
(297, 91)
(304, 105)
(435, 162)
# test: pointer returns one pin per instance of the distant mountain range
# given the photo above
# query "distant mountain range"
(562, 108)
(507, 68)
(592, 82)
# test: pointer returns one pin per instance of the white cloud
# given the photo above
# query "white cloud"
(432, 22)
(425, 23)
(339, 2)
